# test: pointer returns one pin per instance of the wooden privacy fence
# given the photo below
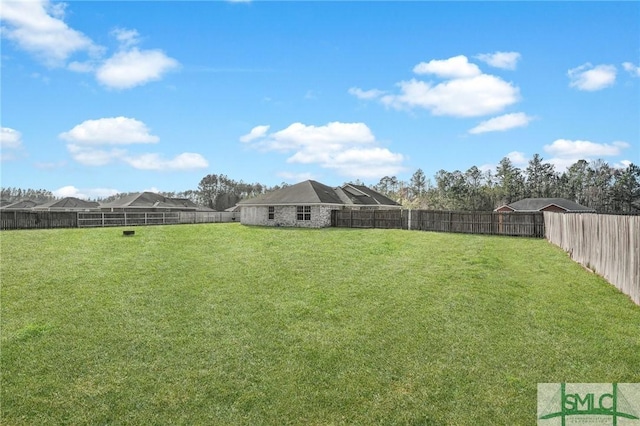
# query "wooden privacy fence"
(607, 244)
(492, 223)
(18, 219)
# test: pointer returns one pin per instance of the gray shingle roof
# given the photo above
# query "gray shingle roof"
(19, 205)
(313, 192)
(537, 204)
(150, 200)
(69, 203)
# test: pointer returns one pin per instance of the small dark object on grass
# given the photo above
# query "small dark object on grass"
(128, 233)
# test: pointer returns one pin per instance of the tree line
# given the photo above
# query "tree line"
(593, 184)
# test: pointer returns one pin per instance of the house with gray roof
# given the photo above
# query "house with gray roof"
(149, 202)
(309, 204)
(561, 205)
(68, 204)
(21, 205)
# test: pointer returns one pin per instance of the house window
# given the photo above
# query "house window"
(272, 212)
(304, 212)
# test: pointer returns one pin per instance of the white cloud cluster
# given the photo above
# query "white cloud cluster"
(86, 194)
(92, 143)
(10, 138)
(110, 131)
(38, 27)
(465, 92)
(184, 161)
(504, 60)
(591, 78)
(566, 152)
(502, 123)
(350, 149)
(631, 68)
(130, 66)
(10, 142)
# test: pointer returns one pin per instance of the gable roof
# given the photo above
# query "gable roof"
(68, 203)
(537, 204)
(363, 195)
(20, 205)
(150, 200)
(313, 192)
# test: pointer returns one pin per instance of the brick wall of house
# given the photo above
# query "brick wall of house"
(286, 216)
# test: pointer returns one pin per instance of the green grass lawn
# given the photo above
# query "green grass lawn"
(226, 324)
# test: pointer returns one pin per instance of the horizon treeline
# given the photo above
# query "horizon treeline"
(594, 184)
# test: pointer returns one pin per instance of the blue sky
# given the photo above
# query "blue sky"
(105, 97)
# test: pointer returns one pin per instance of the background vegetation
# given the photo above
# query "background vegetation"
(593, 184)
(226, 324)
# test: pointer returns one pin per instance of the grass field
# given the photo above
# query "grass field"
(225, 324)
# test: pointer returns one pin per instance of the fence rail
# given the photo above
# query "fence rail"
(20, 219)
(607, 244)
(493, 223)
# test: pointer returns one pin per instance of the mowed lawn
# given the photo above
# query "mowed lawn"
(222, 324)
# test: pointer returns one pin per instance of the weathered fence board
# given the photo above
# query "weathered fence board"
(493, 223)
(20, 219)
(607, 244)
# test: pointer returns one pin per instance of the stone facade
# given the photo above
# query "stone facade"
(320, 216)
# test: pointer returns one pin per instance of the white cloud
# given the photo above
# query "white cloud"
(365, 94)
(125, 37)
(623, 164)
(463, 97)
(584, 149)
(184, 161)
(349, 148)
(567, 152)
(465, 92)
(255, 133)
(135, 67)
(456, 67)
(87, 143)
(518, 159)
(589, 78)
(10, 144)
(86, 194)
(632, 69)
(10, 138)
(504, 60)
(502, 123)
(37, 26)
(91, 156)
(110, 131)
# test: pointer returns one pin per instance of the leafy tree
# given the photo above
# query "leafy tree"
(418, 183)
(540, 178)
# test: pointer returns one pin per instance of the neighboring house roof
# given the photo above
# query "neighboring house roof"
(67, 204)
(313, 192)
(538, 204)
(21, 205)
(145, 200)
